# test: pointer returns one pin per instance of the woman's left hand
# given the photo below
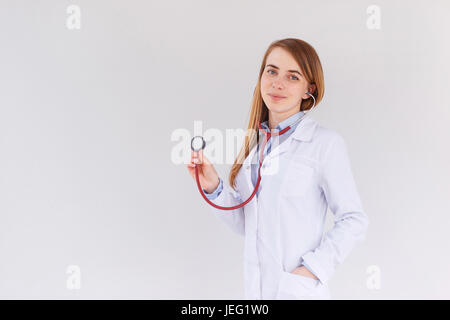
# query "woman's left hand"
(303, 271)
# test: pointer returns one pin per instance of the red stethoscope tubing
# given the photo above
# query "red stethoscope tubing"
(267, 137)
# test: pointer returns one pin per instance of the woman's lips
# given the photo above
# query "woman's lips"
(276, 98)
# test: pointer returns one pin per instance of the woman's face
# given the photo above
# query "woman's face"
(283, 77)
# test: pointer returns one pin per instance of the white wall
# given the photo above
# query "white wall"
(86, 116)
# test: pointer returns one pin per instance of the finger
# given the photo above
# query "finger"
(191, 173)
(201, 156)
(193, 156)
(205, 159)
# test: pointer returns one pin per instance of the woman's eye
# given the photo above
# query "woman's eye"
(271, 72)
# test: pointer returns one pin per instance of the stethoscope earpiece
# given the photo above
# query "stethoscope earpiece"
(314, 103)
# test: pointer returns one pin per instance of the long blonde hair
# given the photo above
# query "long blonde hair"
(309, 62)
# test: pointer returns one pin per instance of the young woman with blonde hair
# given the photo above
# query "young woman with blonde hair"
(300, 171)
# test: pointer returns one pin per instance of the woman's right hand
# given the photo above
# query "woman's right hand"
(209, 179)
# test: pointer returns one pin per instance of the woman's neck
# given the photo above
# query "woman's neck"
(275, 117)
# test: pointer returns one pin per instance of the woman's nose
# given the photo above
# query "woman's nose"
(276, 83)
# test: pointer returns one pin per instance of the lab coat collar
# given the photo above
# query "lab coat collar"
(303, 132)
(305, 129)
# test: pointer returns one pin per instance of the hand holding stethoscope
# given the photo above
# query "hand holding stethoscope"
(207, 174)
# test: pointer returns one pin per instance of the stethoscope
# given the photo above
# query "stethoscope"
(201, 145)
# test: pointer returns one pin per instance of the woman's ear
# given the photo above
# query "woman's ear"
(311, 89)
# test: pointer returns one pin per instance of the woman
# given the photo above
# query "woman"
(305, 170)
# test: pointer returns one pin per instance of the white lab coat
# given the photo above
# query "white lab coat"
(284, 226)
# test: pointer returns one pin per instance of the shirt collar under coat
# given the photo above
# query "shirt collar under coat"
(286, 122)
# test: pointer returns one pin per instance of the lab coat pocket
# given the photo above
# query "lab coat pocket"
(298, 179)
(294, 286)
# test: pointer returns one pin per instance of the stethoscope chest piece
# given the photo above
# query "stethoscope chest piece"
(198, 143)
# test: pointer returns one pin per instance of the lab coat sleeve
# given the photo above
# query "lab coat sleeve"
(228, 197)
(350, 221)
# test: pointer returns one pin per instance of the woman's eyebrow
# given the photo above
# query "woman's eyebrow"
(294, 71)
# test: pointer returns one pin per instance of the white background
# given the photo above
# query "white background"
(86, 117)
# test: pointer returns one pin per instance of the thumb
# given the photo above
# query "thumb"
(203, 158)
